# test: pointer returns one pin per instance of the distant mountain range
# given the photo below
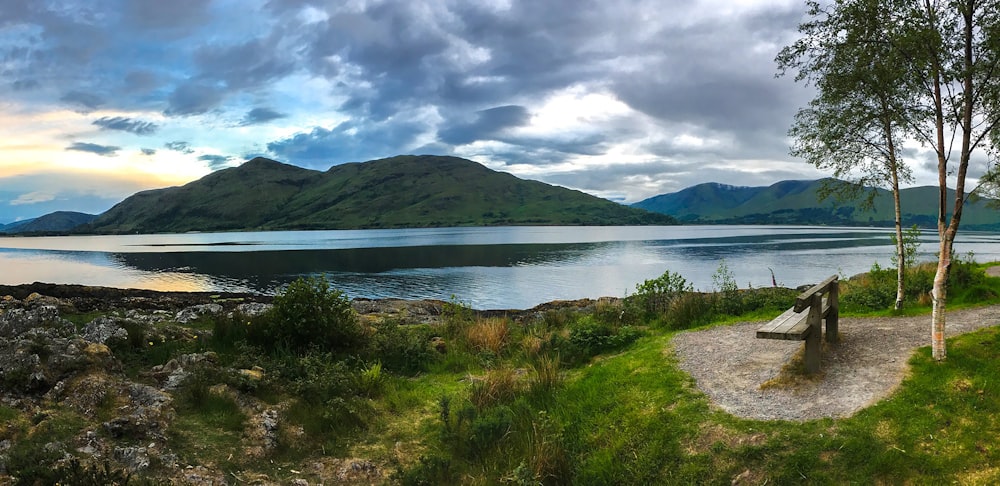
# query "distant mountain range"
(798, 202)
(398, 192)
(434, 191)
(57, 222)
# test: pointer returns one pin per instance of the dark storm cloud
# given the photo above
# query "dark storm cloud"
(141, 81)
(215, 162)
(88, 101)
(486, 125)
(25, 84)
(126, 124)
(166, 15)
(321, 148)
(179, 146)
(251, 64)
(193, 98)
(257, 116)
(103, 150)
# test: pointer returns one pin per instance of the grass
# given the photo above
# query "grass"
(567, 399)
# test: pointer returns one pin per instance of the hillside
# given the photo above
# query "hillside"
(798, 202)
(59, 221)
(398, 192)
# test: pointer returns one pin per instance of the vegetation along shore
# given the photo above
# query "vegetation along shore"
(112, 386)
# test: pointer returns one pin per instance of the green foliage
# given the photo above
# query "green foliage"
(653, 297)
(691, 309)
(309, 314)
(875, 290)
(911, 241)
(215, 409)
(403, 349)
(589, 337)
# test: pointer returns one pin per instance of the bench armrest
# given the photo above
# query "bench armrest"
(803, 300)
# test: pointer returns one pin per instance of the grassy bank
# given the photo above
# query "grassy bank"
(560, 398)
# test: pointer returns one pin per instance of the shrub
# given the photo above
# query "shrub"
(546, 375)
(497, 386)
(309, 313)
(653, 297)
(489, 428)
(403, 349)
(689, 310)
(489, 335)
(593, 337)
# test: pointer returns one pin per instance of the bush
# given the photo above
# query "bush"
(653, 297)
(403, 349)
(309, 314)
(593, 337)
(689, 310)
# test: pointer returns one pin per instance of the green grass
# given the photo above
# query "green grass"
(565, 400)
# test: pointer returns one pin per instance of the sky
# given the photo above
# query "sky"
(623, 100)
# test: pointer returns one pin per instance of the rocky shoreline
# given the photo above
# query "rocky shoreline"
(58, 360)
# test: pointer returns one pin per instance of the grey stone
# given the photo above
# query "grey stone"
(102, 329)
(189, 314)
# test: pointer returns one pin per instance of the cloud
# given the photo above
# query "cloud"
(251, 64)
(148, 151)
(102, 150)
(215, 162)
(33, 198)
(348, 141)
(166, 15)
(25, 84)
(487, 124)
(125, 124)
(193, 98)
(261, 115)
(88, 101)
(179, 146)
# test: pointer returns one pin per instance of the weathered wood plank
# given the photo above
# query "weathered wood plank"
(803, 300)
(790, 325)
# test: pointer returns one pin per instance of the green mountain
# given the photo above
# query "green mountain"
(398, 192)
(798, 202)
(57, 222)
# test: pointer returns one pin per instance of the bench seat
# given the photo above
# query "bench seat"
(790, 325)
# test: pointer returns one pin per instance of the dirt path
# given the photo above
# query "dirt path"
(729, 364)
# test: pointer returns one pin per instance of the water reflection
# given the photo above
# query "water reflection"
(486, 267)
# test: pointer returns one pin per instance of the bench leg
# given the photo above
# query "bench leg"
(815, 335)
(832, 331)
(813, 346)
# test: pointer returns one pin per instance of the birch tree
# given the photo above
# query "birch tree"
(948, 51)
(856, 124)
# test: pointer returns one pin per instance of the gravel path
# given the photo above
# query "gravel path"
(729, 364)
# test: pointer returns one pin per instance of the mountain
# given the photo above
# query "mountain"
(398, 192)
(57, 222)
(799, 202)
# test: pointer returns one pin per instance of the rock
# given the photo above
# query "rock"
(439, 344)
(254, 375)
(194, 312)
(174, 372)
(36, 300)
(15, 322)
(136, 459)
(103, 328)
(252, 309)
(147, 414)
(356, 470)
(269, 422)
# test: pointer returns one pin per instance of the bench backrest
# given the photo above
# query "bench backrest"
(805, 299)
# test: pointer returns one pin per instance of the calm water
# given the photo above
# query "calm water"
(509, 267)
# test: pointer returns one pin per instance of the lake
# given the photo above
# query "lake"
(487, 268)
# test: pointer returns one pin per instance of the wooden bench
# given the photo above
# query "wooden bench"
(802, 321)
